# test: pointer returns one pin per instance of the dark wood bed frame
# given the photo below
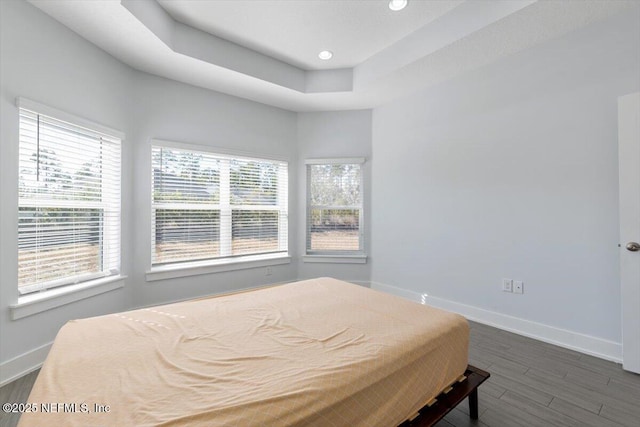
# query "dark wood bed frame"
(450, 398)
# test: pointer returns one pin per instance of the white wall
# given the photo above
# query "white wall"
(511, 171)
(46, 62)
(173, 111)
(326, 135)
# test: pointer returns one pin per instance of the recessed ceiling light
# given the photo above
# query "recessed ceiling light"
(325, 54)
(397, 5)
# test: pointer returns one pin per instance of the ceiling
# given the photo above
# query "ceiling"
(266, 50)
(296, 31)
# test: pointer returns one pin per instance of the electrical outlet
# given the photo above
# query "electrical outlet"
(507, 285)
(269, 271)
(518, 287)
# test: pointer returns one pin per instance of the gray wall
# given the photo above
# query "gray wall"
(511, 171)
(173, 111)
(508, 171)
(331, 135)
(46, 62)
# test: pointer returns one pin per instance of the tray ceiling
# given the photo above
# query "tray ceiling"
(266, 50)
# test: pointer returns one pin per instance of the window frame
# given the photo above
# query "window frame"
(335, 256)
(112, 226)
(161, 271)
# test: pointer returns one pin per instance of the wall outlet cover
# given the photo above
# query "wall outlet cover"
(518, 287)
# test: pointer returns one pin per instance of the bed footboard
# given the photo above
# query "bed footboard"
(450, 398)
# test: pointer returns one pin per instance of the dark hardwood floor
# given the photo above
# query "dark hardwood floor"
(537, 384)
(15, 392)
(532, 384)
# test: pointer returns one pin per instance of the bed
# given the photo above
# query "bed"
(319, 352)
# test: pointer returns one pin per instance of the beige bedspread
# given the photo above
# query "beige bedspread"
(318, 352)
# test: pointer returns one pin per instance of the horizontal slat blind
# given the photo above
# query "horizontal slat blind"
(334, 208)
(208, 206)
(69, 203)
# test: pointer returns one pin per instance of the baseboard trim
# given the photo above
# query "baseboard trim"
(365, 283)
(28, 362)
(24, 364)
(586, 344)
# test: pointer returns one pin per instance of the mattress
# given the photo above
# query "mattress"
(318, 352)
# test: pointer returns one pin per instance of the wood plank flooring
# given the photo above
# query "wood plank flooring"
(532, 384)
(16, 392)
(538, 384)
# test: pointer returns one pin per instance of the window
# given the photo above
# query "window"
(68, 201)
(334, 207)
(209, 206)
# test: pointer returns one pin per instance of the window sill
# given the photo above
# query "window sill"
(217, 266)
(38, 302)
(336, 259)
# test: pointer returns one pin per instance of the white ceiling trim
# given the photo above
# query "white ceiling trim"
(295, 31)
(142, 34)
(206, 47)
(461, 22)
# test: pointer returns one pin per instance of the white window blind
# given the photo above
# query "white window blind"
(69, 203)
(334, 207)
(210, 206)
